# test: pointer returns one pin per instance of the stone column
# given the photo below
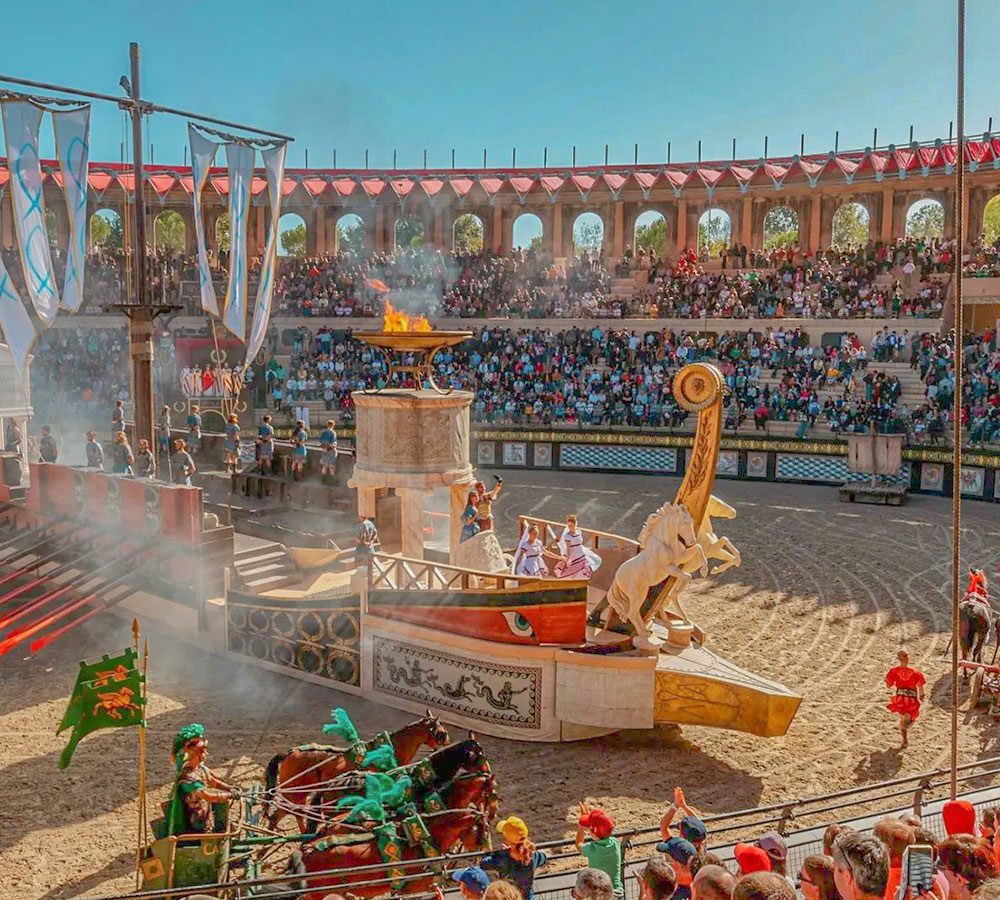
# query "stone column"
(320, 229)
(746, 222)
(682, 215)
(379, 229)
(619, 246)
(439, 228)
(814, 222)
(887, 205)
(498, 228)
(557, 230)
(366, 501)
(411, 502)
(459, 492)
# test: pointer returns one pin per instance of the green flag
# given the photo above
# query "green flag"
(105, 670)
(105, 703)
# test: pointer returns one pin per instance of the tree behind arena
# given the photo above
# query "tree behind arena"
(713, 235)
(927, 222)
(351, 239)
(468, 234)
(850, 226)
(781, 228)
(293, 241)
(104, 233)
(168, 231)
(652, 237)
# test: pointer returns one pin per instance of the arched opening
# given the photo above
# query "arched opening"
(409, 232)
(714, 229)
(169, 231)
(781, 228)
(291, 235)
(850, 227)
(351, 235)
(925, 220)
(991, 220)
(650, 234)
(528, 232)
(467, 234)
(222, 233)
(588, 234)
(106, 230)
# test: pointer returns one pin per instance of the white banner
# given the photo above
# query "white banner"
(202, 156)
(240, 159)
(274, 167)
(72, 129)
(21, 122)
(18, 331)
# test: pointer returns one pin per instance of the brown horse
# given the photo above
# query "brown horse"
(477, 791)
(293, 776)
(449, 829)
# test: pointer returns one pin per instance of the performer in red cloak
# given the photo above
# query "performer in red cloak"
(977, 585)
(909, 687)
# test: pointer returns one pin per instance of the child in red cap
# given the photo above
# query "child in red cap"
(595, 841)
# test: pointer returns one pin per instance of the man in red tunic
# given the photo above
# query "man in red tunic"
(909, 687)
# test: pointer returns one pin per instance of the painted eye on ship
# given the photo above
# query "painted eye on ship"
(519, 625)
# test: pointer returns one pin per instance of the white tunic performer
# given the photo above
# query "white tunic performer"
(528, 556)
(577, 561)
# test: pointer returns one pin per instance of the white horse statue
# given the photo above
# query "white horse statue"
(720, 548)
(669, 548)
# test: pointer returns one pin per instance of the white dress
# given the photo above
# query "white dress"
(580, 562)
(528, 558)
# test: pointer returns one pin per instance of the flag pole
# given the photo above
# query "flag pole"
(141, 826)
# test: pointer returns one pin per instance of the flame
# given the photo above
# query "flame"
(397, 320)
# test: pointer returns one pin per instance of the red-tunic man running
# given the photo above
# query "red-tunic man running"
(909, 687)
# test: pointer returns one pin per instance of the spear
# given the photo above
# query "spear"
(27, 551)
(48, 597)
(48, 576)
(43, 642)
(35, 565)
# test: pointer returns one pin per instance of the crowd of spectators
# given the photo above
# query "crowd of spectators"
(750, 284)
(898, 858)
(77, 374)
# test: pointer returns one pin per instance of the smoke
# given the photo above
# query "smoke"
(430, 273)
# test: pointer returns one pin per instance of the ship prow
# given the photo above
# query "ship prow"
(694, 686)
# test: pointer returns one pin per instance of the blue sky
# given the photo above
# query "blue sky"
(438, 75)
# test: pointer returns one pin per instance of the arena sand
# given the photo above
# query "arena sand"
(826, 595)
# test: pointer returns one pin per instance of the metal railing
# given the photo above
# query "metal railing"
(812, 814)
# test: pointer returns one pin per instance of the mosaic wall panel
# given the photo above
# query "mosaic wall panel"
(973, 480)
(318, 636)
(542, 454)
(515, 453)
(756, 464)
(617, 457)
(932, 477)
(506, 695)
(728, 464)
(832, 469)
